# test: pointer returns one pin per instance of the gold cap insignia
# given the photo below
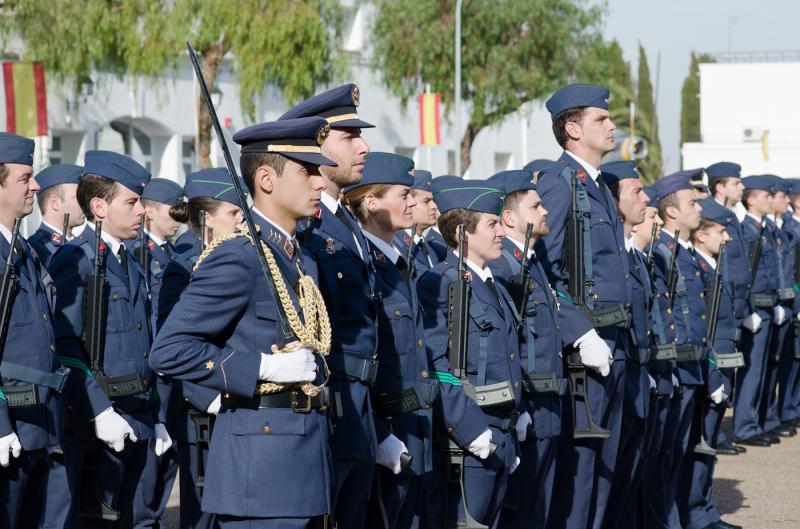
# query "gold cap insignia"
(356, 95)
(322, 133)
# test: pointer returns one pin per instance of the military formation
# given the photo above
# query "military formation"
(357, 344)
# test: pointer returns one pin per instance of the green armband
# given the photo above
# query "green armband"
(3, 395)
(711, 360)
(447, 378)
(74, 362)
(565, 296)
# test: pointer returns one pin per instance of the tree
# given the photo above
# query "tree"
(690, 100)
(287, 43)
(603, 63)
(647, 121)
(512, 52)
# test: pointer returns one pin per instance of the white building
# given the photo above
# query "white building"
(749, 115)
(154, 121)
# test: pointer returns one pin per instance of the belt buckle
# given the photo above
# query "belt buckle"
(296, 404)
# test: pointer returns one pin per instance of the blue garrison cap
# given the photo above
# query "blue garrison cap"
(16, 149)
(513, 181)
(537, 165)
(385, 168)
(298, 139)
(781, 184)
(795, 186)
(422, 180)
(714, 211)
(763, 182)
(576, 96)
(481, 196)
(60, 173)
(337, 105)
(652, 194)
(613, 172)
(675, 182)
(213, 183)
(721, 169)
(163, 191)
(117, 167)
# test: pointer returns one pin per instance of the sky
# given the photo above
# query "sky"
(676, 27)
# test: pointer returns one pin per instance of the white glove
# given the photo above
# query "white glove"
(296, 366)
(675, 382)
(523, 422)
(779, 314)
(9, 444)
(112, 429)
(163, 440)
(514, 465)
(389, 451)
(594, 352)
(752, 323)
(481, 446)
(718, 396)
(216, 404)
(652, 381)
(798, 316)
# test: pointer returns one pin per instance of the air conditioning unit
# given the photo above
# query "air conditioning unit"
(752, 134)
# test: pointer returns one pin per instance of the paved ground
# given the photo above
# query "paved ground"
(757, 490)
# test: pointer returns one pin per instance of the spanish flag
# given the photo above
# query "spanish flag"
(26, 98)
(429, 130)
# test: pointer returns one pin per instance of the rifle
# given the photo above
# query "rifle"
(286, 331)
(576, 286)
(755, 254)
(7, 288)
(144, 255)
(64, 229)
(202, 230)
(410, 253)
(518, 286)
(672, 273)
(458, 328)
(650, 263)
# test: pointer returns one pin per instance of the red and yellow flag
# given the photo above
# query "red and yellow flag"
(429, 130)
(26, 98)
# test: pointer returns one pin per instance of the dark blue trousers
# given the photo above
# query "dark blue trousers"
(192, 516)
(769, 399)
(155, 486)
(234, 522)
(682, 450)
(530, 487)
(397, 501)
(750, 381)
(22, 488)
(58, 496)
(353, 480)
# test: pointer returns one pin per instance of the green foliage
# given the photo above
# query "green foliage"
(602, 63)
(513, 51)
(690, 100)
(647, 121)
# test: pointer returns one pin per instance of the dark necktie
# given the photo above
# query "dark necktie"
(166, 249)
(493, 288)
(402, 267)
(122, 254)
(345, 219)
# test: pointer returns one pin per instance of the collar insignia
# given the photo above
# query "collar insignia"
(288, 247)
(518, 254)
(407, 239)
(671, 244)
(318, 214)
(468, 276)
(581, 175)
(103, 246)
(55, 237)
(151, 244)
(379, 256)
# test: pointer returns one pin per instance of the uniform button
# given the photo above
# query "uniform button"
(139, 326)
(397, 314)
(450, 429)
(375, 356)
(648, 332)
(53, 348)
(702, 316)
(672, 326)
(697, 274)
(420, 343)
(146, 354)
(702, 295)
(266, 429)
(44, 316)
(516, 385)
(749, 285)
(626, 276)
(339, 275)
(669, 311)
(594, 296)
(704, 339)
(424, 374)
(560, 355)
(511, 356)
(146, 383)
(114, 296)
(627, 305)
(426, 406)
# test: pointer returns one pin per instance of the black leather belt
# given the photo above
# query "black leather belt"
(543, 384)
(293, 399)
(410, 399)
(612, 317)
(763, 301)
(641, 355)
(666, 352)
(690, 353)
(354, 368)
(122, 386)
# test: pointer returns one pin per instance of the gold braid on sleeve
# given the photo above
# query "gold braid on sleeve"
(313, 331)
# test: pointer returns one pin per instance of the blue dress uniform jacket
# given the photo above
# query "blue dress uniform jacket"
(739, 271)
(348, 284)
(158, 264)
(424, 257)
(436, 243)
(46, 242)
(215, 336)
(688, 306)
(30, 342)
(127, 340)
(765, 281)
(637, 389)
(790, 381)
(187, 241)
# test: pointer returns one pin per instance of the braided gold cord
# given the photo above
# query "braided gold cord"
(314, 334)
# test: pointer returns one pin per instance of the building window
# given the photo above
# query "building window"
(54, 153)
(502, 161)
(187, 155)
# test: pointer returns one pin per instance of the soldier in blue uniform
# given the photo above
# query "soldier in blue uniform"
(424, 217)
(30, 404)
(530, 488)
(778, 356)
(492, 373)
(403, 393)
(269, 464)
(678, 209)
(432, 236)
(789, 382)
(112, 397)
(700, 511)
(582, 127)
(749, 384)
(56, 198)
(160, 196)
(725, 183)
(631, 201)
(347, 280)
(190, 407)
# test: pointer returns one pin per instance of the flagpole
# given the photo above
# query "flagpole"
(457, 131)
